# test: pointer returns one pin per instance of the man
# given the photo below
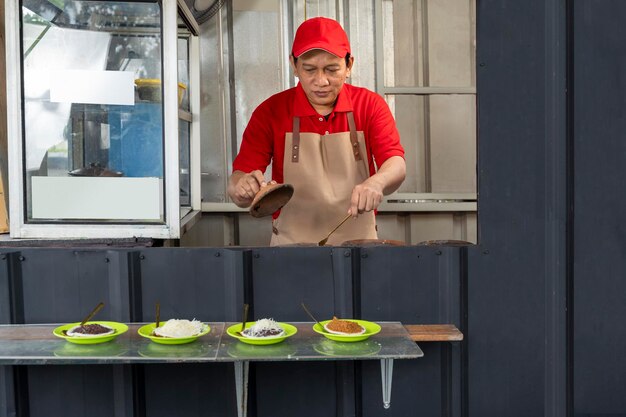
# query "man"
(326, 138)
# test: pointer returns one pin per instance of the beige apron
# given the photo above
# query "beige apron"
(323, 171)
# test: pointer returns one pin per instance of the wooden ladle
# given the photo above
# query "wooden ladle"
(323, 241)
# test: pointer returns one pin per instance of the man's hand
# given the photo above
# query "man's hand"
(368, 195)
(243, 187)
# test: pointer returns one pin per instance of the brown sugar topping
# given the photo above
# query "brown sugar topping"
(344, 326)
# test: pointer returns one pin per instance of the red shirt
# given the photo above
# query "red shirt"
(264, 137)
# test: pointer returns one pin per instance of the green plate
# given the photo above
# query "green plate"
(146, 331)
(233, 331)
(370, 330)
(118, 327)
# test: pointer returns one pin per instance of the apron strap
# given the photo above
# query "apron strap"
(295, 149)
(354, 139)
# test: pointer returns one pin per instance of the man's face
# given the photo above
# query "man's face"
(322, 76)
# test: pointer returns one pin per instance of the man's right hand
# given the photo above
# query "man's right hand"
(243, 187)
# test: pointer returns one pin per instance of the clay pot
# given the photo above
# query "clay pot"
(270, 198)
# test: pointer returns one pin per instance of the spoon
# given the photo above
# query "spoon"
(245, 318)
(323, 241)
(89, 316)
(158, 315)
(311, 315)
(93, 313)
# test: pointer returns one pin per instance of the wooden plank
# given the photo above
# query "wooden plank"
(434, 332)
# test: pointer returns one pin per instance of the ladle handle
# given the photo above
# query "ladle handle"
(93, 313)
(339, 225)
(244, 318)
(311, 315)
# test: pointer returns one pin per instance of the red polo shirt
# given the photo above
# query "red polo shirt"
(264, 137)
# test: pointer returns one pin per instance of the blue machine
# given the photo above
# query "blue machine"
(136, 140)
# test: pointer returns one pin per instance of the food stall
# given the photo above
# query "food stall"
(103, 118)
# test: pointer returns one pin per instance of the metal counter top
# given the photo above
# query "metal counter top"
(36, 345)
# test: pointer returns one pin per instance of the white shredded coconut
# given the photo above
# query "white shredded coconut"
(180, 328)
(262, 326)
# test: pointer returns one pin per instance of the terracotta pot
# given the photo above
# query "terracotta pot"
(270, 198)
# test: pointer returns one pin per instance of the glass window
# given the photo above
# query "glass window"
(438, 133)
(428, 43)
(93, 117)
(429, 82)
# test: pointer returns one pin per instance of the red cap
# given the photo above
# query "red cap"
(321, 33)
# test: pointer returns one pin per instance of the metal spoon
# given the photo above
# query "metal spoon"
(244, 319)
(323, 241)
(311, 315)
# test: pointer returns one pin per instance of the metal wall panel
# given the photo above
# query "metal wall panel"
(414, 285)
(282, 278)
(60, 286)
(63, 286)
(517, 276)
(206, 284)
(599, 337)
(10, 376)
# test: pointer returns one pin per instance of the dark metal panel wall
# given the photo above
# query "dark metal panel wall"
(62, 286)
(412, 285)
(599, 89)
(281, 279)
(58, 286)
(206, 284)
(517, 276)
(7, 382)
(415, 285)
